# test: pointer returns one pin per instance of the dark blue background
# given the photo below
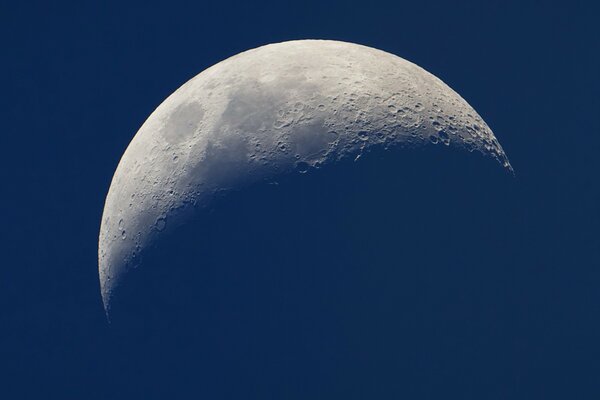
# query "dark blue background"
(79, 79)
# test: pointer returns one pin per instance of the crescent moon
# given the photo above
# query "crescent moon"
(278, 109)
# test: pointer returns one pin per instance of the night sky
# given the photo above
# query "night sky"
(510, 312)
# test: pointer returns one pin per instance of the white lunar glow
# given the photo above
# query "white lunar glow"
(277, 109)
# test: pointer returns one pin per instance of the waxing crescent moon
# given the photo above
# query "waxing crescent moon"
(279, 109)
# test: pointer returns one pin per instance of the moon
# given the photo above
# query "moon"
(285, 108)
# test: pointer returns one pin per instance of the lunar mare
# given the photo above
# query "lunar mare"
(274, 110)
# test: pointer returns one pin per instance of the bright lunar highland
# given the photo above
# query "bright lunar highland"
(280, 109)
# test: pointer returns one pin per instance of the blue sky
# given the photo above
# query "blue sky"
(80, 78)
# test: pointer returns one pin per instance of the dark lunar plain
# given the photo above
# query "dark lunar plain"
(422, 274)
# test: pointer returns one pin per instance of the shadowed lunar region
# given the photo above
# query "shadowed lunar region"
(277, 218)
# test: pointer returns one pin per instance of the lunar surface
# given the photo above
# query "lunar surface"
(286, 108)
